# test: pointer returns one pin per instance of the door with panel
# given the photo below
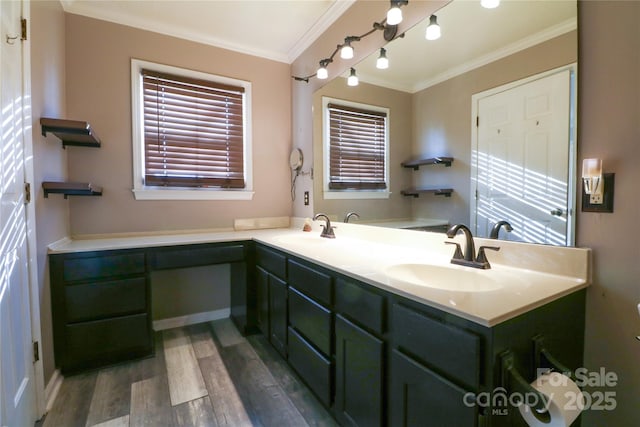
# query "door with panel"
(523, 157)
(17, 378)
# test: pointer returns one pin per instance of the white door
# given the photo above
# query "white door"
(523, 160)
(18, 391)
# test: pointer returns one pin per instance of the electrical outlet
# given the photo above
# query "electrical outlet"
(306, 198)
(595, 199)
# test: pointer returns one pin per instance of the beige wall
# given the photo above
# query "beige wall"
(442, 122)
(49, 159)
(399, 105)
(98, 91)
(609, 128)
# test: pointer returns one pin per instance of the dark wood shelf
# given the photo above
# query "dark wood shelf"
(415, 192)
(70, 189)
(416, 163)
(70, 132)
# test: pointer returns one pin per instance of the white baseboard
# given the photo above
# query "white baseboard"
(52, 389)
(191, 319)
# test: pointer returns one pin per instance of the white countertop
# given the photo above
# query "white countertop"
(526, 276)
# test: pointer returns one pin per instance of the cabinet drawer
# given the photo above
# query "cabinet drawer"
(91, 344)
(194, 255)
(103, 266)
(272, 261)
(312, 282)
(362, 305)
(105, 299)
(311, 320)
(449, 350)
(312, 366)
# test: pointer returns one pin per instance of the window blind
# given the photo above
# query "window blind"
(193, 132)
(356, 148)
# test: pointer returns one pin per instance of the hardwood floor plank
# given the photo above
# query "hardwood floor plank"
(266, 402)
(73, 401)
(150, 403)
(115, 422)
(111, 396)
(151, 366)
(185, 379)
(307, 404)
(226, 332)
(195, 413)
(201, 340)
(227, 405)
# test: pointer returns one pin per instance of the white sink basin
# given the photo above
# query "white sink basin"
(462, 279)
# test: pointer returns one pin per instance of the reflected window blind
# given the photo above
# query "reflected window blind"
(356, 148)
(193, 132)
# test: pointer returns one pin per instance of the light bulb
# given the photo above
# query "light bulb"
(490, 4)
(382, 63)
(433, 29)
(346, 52)
(352, 80)
(394, 15)
(322, 72)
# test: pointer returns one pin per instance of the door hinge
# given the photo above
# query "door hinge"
(36, 351)
(23, 26)
(27, 192)
(477, 121)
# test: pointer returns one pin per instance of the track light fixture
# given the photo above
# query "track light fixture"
(352, 80)
(490, 4)
(433, 29)
(382, 63)
(394, 14)
(346, 51)
(322, 72)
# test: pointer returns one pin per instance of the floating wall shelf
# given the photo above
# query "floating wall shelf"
(70, 189)
(415, 164)
(415, 192)
(70, 132)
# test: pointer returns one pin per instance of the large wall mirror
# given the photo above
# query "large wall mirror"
(431, 91)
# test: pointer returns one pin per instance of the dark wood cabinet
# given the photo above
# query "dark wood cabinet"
(359, 376)
(278, 314)
(101, 300)
(262, 298)
(375, 358)
(101, 308)
(420, 398)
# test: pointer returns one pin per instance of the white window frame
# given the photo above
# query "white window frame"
(147, 192)
(352, 193)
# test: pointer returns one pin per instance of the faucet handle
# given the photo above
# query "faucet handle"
(457, 254)
(482, 257)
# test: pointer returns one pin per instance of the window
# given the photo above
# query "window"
(355, 150)
(190, 134)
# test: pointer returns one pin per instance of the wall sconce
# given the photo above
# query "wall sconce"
(597, 187)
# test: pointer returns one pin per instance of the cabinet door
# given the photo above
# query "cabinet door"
(278, 314)
(419, 397)
(262, 291)
(359, 375)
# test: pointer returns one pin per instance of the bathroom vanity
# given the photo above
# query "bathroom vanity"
(376, 322)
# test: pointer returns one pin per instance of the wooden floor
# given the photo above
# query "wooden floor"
(201, 375)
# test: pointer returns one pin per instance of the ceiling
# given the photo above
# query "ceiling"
(273, 29)
(472, 36)
(282, 29)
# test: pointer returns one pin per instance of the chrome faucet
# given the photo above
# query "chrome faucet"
(496, 229)
(469, 258)
(349, 215)
(327, 229)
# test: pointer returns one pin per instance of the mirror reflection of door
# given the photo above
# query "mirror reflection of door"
(520, 167)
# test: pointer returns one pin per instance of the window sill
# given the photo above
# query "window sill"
(355, 194)
(190, 194)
